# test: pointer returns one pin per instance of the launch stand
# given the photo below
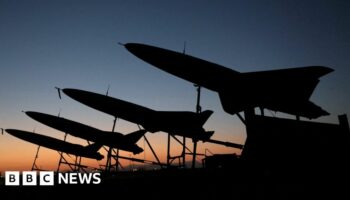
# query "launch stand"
(114, 154)
(181, 157)
(144, 160)
(73, 166)
(110, 155)
(76, 166)
(61, 155)
(194, 153)
(153, 152)
(184, 148)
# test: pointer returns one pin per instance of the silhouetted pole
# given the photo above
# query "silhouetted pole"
(79, 163)
(228, 144)
(154, 153)
(168, 152)
(36, 157)
(184, 138)
(61, 154)
(76, 163)
(117, 157)
(109, 155)
(184, 152)
(108, 160)
(194, 154)
(198, 110)
(198, 106)
(117, 161)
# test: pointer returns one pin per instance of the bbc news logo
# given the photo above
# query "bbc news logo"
(47, 178)
(29, 178)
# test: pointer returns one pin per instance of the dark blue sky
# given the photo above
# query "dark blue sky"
(75, 44)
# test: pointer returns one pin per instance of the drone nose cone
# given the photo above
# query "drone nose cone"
(10, 131)
(139, 50)
(32, 114)
(68, 91)
(29, 113)
(74, 93)
(131, 46)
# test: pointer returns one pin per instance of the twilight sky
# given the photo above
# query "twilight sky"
(74, 44)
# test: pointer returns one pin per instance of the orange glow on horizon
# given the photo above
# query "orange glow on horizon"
(19, 155)
(16, 154)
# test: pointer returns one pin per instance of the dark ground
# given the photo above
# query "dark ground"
(188, 184)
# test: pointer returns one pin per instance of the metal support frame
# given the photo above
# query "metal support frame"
(228, 144)
(76, 166)
(241, 118)
(34, 166)
(194, 154)
(184, 146)
(61, 154)
(183, 154)
(154, 153)
(168, 153)
(198, 110)
(142, 161)
(110, 155)
(117, 156)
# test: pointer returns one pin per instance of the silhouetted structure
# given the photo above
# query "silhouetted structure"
(284, 90)
(297, 149)
(182, 123)
(276, 150)
(110, 139)
(274, 147)
(89, 151)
